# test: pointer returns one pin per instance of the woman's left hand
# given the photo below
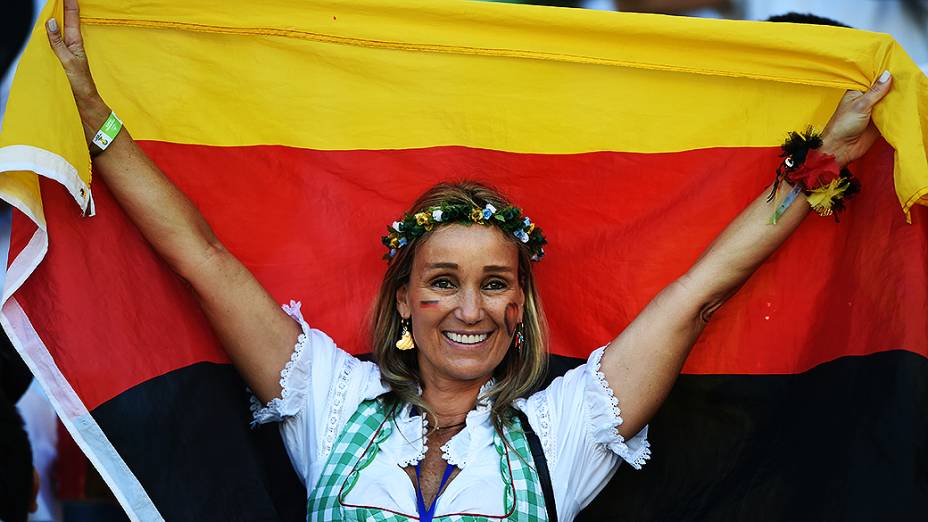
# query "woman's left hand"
(643, 362)
(850, 133)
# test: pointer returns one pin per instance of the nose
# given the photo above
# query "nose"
(470, 307)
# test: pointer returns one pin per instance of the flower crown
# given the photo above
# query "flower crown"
(509, 219)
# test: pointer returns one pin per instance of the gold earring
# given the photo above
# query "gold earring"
(405, 342)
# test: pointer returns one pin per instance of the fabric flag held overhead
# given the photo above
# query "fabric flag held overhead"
(301, 131)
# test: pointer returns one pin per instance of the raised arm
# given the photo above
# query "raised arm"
(257, 335)
(643, 362)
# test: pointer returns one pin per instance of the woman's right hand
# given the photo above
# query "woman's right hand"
(68, 46)
(258, 336)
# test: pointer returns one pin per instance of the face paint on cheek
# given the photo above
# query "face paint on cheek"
(428, 304)
(512, 318)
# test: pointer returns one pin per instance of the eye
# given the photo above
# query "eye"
(442, 283)
(495, 284)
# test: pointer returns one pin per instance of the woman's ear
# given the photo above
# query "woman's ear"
(402, 301)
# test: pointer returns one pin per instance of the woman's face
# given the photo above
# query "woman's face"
(464, 300)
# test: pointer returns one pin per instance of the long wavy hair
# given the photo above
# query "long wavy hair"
(521, 371)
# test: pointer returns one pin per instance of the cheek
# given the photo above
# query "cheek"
(430, 311)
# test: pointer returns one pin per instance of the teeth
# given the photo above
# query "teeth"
(466, 338)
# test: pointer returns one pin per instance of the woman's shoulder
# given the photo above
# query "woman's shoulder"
(319, 375)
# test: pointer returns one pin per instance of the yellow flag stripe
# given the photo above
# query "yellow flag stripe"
(842, 83)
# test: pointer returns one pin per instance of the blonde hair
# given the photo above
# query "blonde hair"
(520, 372)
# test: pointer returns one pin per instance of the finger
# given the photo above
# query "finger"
(54, 38)
(72, 26)
(850, 97)
(878, 90)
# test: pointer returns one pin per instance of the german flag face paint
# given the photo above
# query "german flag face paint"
(512, 318)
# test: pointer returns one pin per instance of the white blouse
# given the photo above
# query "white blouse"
(575, 418)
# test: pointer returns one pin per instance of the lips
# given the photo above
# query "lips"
(466, 339)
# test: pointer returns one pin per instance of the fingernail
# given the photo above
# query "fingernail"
(884, 77)
(52, 25)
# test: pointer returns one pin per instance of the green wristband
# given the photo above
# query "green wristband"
(107, 132)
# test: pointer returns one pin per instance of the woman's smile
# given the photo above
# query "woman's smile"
(467, 339)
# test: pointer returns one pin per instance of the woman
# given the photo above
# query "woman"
(441, 426)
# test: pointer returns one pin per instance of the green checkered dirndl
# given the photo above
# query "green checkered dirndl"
(360, 442)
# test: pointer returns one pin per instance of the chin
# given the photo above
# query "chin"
(462, 362)
(466, 367)
(469, 372)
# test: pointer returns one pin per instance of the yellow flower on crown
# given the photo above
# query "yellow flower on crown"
(422, 218)
(531, 227)
(394, 241)
(476, 215)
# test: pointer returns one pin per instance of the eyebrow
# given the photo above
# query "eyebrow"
(433, 266)
(454, 266)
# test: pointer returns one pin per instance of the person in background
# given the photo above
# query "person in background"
(14, 28)
(800, 18)
(699, 8)
(905, 20)
(19, 483)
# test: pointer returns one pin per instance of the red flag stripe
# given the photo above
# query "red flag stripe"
(620, 226)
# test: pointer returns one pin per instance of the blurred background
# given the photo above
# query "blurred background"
(906, 20)
(34, 447)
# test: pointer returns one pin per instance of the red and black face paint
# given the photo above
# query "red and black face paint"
(512, 318)
(432, 303)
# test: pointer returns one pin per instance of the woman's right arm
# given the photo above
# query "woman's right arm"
(257, 335)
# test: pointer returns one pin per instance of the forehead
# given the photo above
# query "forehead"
(469, 247)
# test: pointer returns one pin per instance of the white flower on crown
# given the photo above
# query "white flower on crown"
(397, 226)
(436, 215)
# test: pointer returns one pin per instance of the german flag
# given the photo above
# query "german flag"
(300, 131)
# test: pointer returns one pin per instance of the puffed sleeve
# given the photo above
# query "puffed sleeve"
(576, 419)
(321, 387)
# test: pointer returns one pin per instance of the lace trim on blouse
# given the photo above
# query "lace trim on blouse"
(545, 433)
(412, 430)
(451, 457)
(423, 447)
(294, 378)
(335, 412)
(605, 416)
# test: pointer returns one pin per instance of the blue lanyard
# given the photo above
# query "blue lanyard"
(426, 514)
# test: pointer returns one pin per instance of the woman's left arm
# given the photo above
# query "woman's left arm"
(643, 362)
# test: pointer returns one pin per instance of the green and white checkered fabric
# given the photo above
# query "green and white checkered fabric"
(358, 445)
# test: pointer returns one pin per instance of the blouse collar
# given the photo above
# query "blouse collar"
(478, 431)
